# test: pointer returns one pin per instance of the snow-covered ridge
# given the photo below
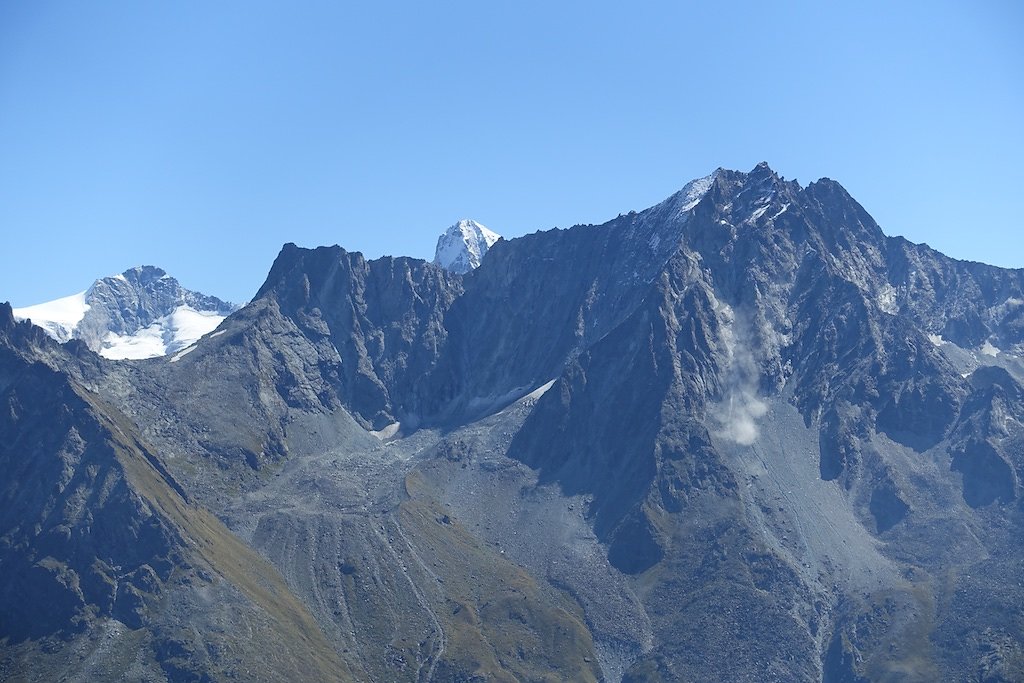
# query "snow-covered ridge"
(682, 202)
(140, 313)
(462, 247)
(693, 192)
(59, 317)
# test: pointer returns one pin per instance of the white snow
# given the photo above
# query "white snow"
(181, 354)
(188, 325)
(693, 192)
(989, 350)
(146, 343)
(1014, 301)
(937, 339)
(785, 207)
(178, 329)
(59, 317)
(758, 213)
(167, 334)
(462, 247)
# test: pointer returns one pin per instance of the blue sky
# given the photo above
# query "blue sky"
(202, 136)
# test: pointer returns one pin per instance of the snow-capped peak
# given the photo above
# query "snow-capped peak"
(462, 247)
(140, 313)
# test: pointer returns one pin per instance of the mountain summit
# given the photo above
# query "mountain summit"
(462, 247)
(140, 313)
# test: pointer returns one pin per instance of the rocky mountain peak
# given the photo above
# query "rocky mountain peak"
(145, 274)
(140, 313)
(462, 246)
(763, 169)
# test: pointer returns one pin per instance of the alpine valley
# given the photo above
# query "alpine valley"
(742, 435)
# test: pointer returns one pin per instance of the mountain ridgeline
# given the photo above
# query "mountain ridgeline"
(742, 435)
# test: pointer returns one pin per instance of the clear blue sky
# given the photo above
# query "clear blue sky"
(201, 136)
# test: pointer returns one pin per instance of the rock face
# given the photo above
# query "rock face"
(743, 421)
(111, 570)
(462, 247)
(141, 313)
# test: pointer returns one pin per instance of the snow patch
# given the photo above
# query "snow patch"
(683, 201)
(693, 192)
(936, 339)
(989, 350)
(758, 213)
(59, 317)
(146, 343)
(170, 333)
(187, 325)
(181, 354)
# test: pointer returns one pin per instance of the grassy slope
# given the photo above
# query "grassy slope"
(496, 620)
(305, 653)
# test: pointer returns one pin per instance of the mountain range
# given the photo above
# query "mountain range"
(742, 435)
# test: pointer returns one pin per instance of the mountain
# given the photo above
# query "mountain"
(108, 564)
(742, 435)
(141, 313)
(462, 246)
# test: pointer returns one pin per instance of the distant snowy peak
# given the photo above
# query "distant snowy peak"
(140, 313)
(462, 247)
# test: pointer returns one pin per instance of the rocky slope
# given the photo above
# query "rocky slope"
(740, 436)
(111, 570)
